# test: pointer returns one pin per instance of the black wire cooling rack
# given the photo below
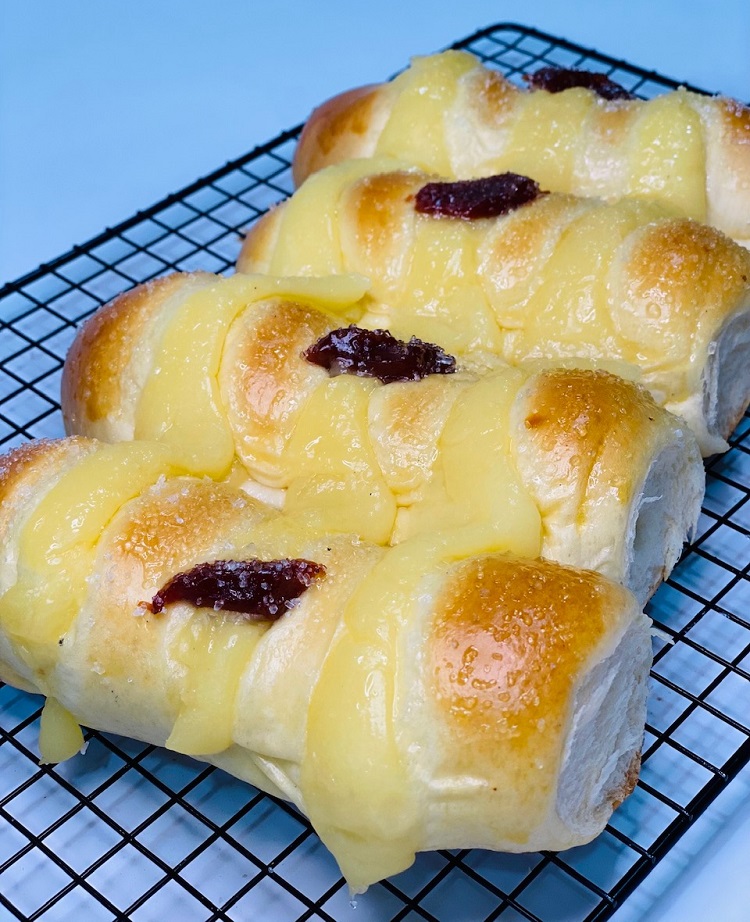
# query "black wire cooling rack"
(134, 832)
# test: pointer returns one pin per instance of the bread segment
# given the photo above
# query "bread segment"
(561, 280)
(482, 450)
(415, 697)
(689, 152)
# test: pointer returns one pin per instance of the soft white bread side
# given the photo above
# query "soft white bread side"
(648, 501)
(557, 279)
(718, 409)
(552, 462)
(412, 698)
(451, 115)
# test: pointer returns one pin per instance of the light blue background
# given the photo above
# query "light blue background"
(107, 107)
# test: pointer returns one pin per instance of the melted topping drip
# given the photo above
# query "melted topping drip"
(260, 590)
(488, 197)
(377, 354)
(557, 79)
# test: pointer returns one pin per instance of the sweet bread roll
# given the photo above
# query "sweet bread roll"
(557, 278)
(450, 115)
(405, 699)
(579, 466)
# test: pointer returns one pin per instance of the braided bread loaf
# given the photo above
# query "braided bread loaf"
(410, 698)
(449, 114)
(556, 279)
(579, 466)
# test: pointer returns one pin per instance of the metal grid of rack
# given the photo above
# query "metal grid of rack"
(130, 831)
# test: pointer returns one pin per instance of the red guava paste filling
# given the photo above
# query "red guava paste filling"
(488, 197)
(262, 590)
(558, 79)
(376, 354)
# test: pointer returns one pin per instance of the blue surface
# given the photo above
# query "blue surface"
(105, 108)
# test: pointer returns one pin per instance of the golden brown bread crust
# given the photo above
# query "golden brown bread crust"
(736, 118)
(95, 375)
(123, 669)
(490, 97)
(508, 646)
(575, 435)
(560, 278)
(477, 129)
(374, 214)
(509, 640)
(336, 130)
(564, 444)
(631, 779)
(696, 274)
(583, 423)
(172, 527)
(264, 379)
(167, 527)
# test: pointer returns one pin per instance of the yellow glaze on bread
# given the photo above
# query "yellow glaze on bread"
(624, 285)
(400, 699)
(182, 387)
(477, 436)
(58, 539)
(686, 151)
(388, 462)
(542, 138)
(111, 335)
(352, 741)
(668, 156)
(60, 736)
(414, 130)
